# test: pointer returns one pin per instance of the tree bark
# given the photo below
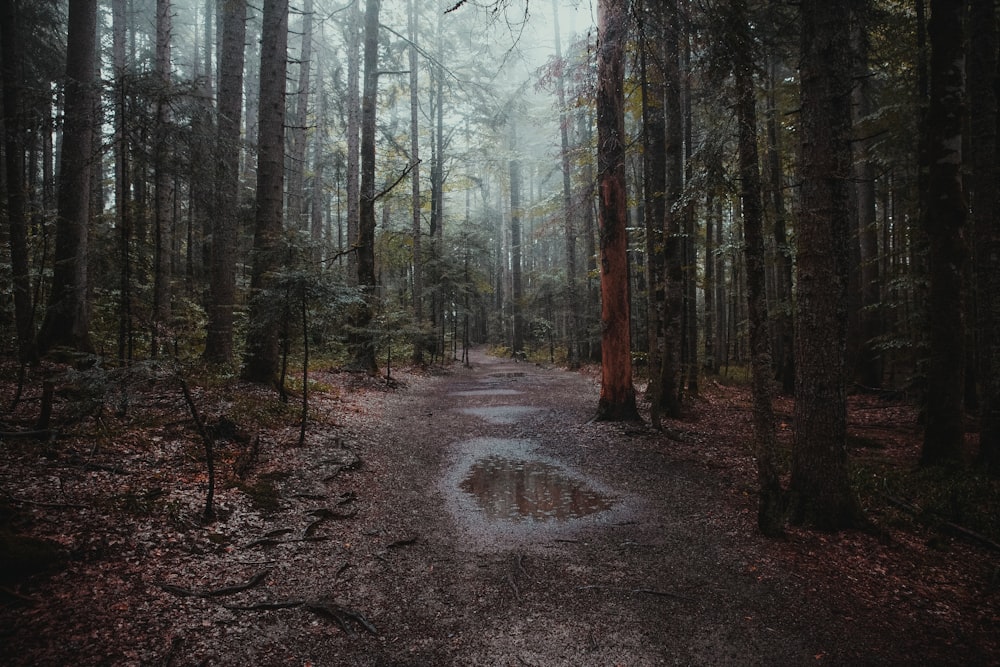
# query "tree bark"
(67, 316)
(261, 359)
(353, 136)
(769, 509)
(163, 193)
(617, 399)
(654, 182)
(986, 232)
(671, 371)
(225, 222)
(569, 227)
(869, 360)
(944, 223)
(416, 205)
(361, 339)
(14, 147)
(517, 288)
(297, 131)
(821, 491)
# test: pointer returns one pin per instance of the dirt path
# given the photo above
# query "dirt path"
(666, 576)
(476, 517)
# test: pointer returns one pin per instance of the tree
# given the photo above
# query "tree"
(944, 222)
(654, 183)
(362, 341)
(261, 358)
(517, 287)
(14, 147)
(163, 192)
(617, 399)
(225, 223)
(67, 316)
(569, 228)
(769, 509)
(299, 120)
(415, 202)
(821, 492)
(986, 232)
(673, 310)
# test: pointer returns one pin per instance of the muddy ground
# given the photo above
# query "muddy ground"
(475, 516)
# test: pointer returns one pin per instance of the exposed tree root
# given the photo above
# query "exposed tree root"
(330, 610)
(216, 592)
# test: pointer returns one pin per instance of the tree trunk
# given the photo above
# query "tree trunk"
(986, 231)
(225, 222)
(415, 202)
(67, 317)
(517, 289)
(297, 131)
(123, 201)
(353, 137)
(362, 340)
(944, 223)
(654, 167)
(569, 228)
(869, 360)
(262, 354)
(769, 509)
(617, 399)
(784, 357)
(163, 194)
(14, 147)
(671, 371)
(821, 490)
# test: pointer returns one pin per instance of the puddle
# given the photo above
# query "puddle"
(501, 414)
(515, 489)
(486, 392)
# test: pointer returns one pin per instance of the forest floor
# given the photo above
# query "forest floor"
(460, 516)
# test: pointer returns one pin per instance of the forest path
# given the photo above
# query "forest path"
(670, 573)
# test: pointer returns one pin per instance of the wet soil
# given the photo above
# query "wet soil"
(485, 519)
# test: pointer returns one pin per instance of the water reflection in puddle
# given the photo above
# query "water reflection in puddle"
(516, 489)
(486, 392)
(501, 414)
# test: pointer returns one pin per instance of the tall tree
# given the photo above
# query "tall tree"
(517, 287)
(416, 204)
(986, 232)
(821, 491)
(569, 228)
(261, 356)
(67, 316)
(869, 361)
(353, 103)
(654, 183)
(14, 148)
(944, 223)
(671, 372)
(225, 222)
(123, 203)
(163, 192)
(299, 120)
(617, 399)
(362, 341)
(769, 510)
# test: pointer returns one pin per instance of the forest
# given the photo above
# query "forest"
(235, 233)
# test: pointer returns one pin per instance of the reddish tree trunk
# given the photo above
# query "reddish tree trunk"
(617, 400)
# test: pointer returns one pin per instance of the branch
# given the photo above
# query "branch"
(405, 173)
